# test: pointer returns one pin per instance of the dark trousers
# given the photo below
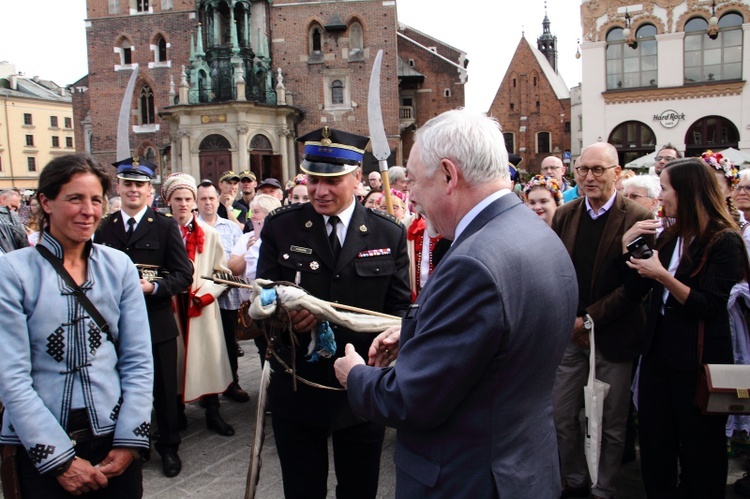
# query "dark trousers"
(303, 453)
(671, 427)
(165, 395)
(229, 323)
(129, 485)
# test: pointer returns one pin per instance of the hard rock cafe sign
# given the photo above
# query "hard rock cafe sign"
(669, 118)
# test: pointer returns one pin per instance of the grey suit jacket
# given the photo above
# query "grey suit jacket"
(619, 318)
(470, 393)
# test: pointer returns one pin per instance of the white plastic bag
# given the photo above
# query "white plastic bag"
(594, 394)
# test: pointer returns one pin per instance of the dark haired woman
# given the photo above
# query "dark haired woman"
(697, 260)
(77, 397)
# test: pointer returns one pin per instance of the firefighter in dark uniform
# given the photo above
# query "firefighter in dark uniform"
(151, 238)
(364, 263)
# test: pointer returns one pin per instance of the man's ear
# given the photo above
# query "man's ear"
(450, 173)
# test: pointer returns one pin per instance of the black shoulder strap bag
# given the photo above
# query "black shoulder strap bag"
(80, 295)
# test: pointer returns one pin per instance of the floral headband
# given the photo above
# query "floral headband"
(718, 162)
(300, 179)
(548, 183)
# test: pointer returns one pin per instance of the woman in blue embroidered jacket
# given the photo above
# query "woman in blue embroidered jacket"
(78, 400)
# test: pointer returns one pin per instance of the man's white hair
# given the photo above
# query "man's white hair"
(648, 182)
(472, 140)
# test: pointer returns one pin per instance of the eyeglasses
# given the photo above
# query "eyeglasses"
(598, 171)
(745, 188)
(635, 195)
(550, 168)
(665, 158)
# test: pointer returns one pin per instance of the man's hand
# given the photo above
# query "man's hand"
(116, 462)
(384, 348)
(81, 477)
(344, 364)
(147, 287)
(227, 200)
(580, 334)
(302, 321)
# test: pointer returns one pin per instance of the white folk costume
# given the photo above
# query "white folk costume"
(203, 363)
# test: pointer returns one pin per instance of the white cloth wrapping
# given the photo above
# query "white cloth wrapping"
(293, 298)
(594, 394)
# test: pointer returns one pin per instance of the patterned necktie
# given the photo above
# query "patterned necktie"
(131, 228)
(333, 238)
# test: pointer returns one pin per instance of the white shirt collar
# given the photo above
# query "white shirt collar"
(601, 211)
(345, 218)
(477, 209)
(137, 217)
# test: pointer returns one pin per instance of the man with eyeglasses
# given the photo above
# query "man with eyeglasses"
(667, 153)
(553, 167)
(591, 228)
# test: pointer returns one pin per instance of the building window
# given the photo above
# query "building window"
(712, 60)
(31, 163)
(30, 140)
(337, 92)
(356, 38)
(629, 67)
(632, 139)
(68, 122)
(447, 92)
(55, 141)
(114, 6)
(512, 106)
(316, 39)
(514, 83)
(68, 142)
(537, 105)
(510, 142)
(543, 142)
(161, 50)
(535, 81)
(1, 163)
(566, 127)
(146, 103)
(27, 119)
(141, 5)
(53, 122)
(126, 53)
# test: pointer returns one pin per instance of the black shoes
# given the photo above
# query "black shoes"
(215, 422)
(240, 351)
(236, 393)
(582, 491)
(171, 464)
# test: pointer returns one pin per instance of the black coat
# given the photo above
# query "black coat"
(295, 241)
(156, 241)
(12, 238)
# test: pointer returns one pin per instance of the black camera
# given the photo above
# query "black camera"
(639, 248)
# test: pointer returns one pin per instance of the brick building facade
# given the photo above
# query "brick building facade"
(533, 103)
(256, 75)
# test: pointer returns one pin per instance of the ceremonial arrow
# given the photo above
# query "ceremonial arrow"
(380, 148)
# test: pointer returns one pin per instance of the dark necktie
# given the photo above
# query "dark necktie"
(333, 238)
(131, 228)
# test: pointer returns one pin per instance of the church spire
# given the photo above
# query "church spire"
(547, 43)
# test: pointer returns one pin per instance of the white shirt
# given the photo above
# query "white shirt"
(601, 211)
(137, 217)
(345, 218)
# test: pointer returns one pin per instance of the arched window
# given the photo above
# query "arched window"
(161, 50)
(356, 38)
(510, 142)
(146, 103)
(543, 140)
(632, 139)
(629, 67)
(126, 53)
(316, 39)
(711, 132)
(713, 60)
(337, 92)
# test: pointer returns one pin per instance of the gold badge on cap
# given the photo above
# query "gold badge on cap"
(308, 224)
(150, 219)
(363, 228)
(314, 265)
(326, 133)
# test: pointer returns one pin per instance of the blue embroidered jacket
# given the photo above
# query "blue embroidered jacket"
(53, 353)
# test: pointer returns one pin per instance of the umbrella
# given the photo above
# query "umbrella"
(737, 157)
(643, 162)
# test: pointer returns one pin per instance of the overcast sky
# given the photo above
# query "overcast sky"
(52, 45)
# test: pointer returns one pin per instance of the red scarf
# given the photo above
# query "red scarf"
(416, 233)
(194, 239)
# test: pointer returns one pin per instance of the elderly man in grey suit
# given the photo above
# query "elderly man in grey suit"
(471, 393)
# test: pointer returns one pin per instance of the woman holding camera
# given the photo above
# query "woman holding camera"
(697, 260)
